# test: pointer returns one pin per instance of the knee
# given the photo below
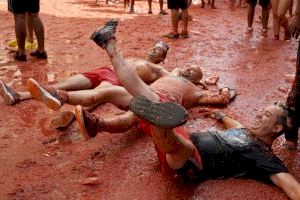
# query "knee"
(33, 15)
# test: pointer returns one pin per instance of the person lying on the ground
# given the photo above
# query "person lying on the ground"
(147, 69)
(236, 152)
(179, 86)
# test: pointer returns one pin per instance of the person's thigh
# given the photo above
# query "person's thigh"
(17, 6)
(33, 6)
(264, 3)
(183, 4)
(274, 4)
(173, 5)
(283, 6)
(116, 95)
(252, 2)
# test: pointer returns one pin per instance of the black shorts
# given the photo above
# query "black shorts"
(261, 2)
(177, 4)
(22, 6)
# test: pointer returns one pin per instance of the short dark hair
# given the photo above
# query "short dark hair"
(284, 119)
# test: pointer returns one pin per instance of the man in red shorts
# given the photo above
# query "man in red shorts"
(32, 8)
(147, 68)
(178, 86)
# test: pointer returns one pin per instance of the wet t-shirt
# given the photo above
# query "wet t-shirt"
(234, 153)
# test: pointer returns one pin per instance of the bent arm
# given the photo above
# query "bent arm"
(288, 184)
(231, 123)
(209, 98)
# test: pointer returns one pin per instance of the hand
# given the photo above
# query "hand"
(218, 115)
(295, 26)
(290, 145)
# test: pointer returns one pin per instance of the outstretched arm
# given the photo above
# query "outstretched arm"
(227, 121)
(288, 183)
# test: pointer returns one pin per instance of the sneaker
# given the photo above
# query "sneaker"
(10, 97)
(89, 125)
(264, 33)
(165, 115)
(105, 33)
(48, 96)
(63, 120)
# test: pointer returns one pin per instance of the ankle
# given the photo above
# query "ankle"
(63, 96)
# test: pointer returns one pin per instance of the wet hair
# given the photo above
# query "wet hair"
(284, 119)
(157, 58)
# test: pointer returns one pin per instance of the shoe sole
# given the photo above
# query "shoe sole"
(80, 120)
(63, 120)
(165, 115)
(8, 98)
(42, 95)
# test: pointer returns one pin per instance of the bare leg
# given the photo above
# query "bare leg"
(177, 148)
(283, 7)
(38, 29)
(128, 76)
(175, 20)
(185, 20)
(90, 125)
(116, 95)
(150, 6)
(29, 28)
(20, 30)
(250, 15)
(132, 6)
(265, 16)
(77, 82)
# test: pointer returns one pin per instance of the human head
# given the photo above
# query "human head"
(271, 122)
(158, 53)
(193, 74)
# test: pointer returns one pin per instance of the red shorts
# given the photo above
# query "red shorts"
(98, 75)
(146, 127)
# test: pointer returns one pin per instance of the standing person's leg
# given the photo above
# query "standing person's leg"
(283, 7)
(174, 7)
(293, 101)
(250, 16)
(276, 26)
(29, 29)
(265, 20)
(20, 30)
(185, 21)
(150, 6)
(161, 7)
(132, 6)
(38, 27)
